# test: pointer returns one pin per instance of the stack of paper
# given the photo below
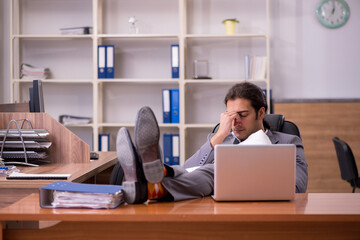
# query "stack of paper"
(258, 68)
(31, 72)
(34, 146)
(73, 120)
(76, 30)
(62, 194)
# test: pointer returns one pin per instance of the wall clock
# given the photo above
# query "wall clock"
(333, 13)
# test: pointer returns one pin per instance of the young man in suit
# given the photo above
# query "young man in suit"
(147, 178)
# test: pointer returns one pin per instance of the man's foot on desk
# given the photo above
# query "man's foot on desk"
(135, 184)
(147, 135)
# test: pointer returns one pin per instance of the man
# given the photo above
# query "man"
(147, 178)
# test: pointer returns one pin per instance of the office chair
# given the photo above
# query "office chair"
(347, 163)
(277, 123)
(117, 175)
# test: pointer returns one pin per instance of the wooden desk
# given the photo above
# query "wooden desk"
(309, 216)
(13, 190)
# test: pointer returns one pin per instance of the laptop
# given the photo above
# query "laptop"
(254, 172)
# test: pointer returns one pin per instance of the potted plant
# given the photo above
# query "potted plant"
(230, 25)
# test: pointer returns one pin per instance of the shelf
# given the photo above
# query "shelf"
(142, 62)
(56, 81)
(80, 125)
(130, 36)
(136, 80)
(224, 81)
(225, 36)
(52, 36)
(161, 125)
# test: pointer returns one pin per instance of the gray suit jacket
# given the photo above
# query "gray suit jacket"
(205, 155)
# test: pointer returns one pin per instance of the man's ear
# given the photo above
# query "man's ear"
(261, 113)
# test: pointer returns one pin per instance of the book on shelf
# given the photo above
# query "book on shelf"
(258, 67)
(175, 155)
(166, 105)
(63, 194)
(247, 64)
(167, 148)
(76, 30)
(30, 72)
(175, 111)
(106, 61)
(170, 105)
(73, 120)
(104, 142)
(171, 145)
(175, 61)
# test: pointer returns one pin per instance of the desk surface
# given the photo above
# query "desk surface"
(339, 207)
(13, 190)
(79, 171)
(309, 216)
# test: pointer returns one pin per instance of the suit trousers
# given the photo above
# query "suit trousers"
(187, 185)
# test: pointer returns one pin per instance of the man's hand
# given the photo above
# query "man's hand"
(226, 121)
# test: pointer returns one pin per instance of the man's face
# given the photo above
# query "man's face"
(246, 122)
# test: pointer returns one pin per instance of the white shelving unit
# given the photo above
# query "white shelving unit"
(142, 61)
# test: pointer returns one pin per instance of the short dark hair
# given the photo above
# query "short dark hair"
(251, 92)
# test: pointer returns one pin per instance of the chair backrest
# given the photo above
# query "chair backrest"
(117, 175)
(278, 123)
(346, 160)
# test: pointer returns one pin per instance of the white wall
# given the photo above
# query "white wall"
(4, 52)
(307, 59)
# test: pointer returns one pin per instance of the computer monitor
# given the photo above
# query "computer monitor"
(36, 103)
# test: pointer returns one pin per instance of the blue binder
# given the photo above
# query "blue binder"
(166, 105)
(167, 146)
(175, 61)
(175, 156)
(104, 142)
(175, 106)
(46, 192)
(101, 61)
(110, 61)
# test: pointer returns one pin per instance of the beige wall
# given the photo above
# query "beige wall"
(318, 124)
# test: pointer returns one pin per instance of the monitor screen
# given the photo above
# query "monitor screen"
(36, 103)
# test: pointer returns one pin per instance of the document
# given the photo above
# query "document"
(63, 194)
(26, 133)
(166, 105)
(101, 61)
(72, 120)
(110, 55)
(175, 156)
(167, 146)
(28, 145)
(22, 176)
(175, 99)
(175, 61)
(76, 30)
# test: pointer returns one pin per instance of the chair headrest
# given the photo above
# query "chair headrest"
(276, 121)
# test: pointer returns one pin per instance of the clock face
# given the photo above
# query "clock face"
(333, 13)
